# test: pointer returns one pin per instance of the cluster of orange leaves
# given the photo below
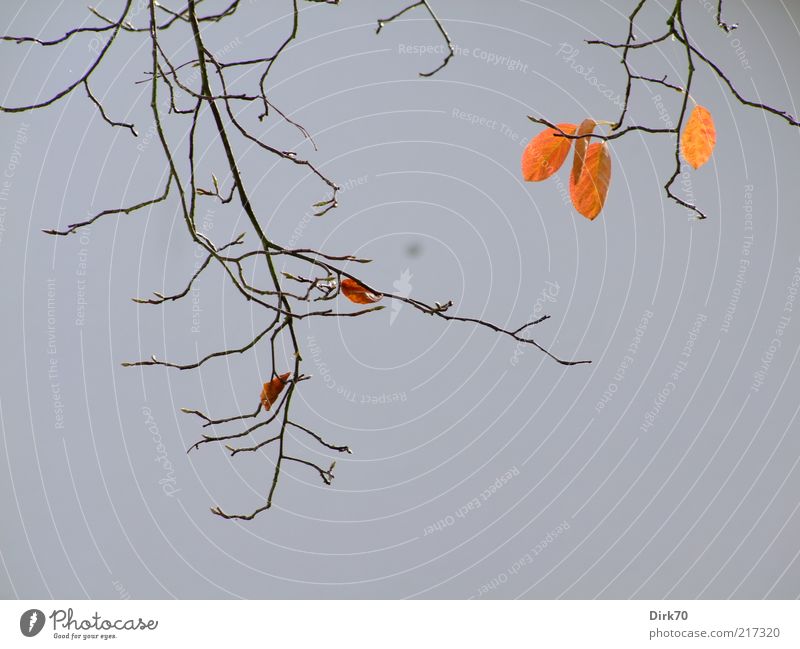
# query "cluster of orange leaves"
(591, 164)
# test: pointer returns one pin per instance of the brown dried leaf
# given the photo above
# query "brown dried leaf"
(272, 390)
(357, 292)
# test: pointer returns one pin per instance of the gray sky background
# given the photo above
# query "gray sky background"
(479, 470)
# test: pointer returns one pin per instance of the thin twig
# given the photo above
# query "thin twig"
(449, 43)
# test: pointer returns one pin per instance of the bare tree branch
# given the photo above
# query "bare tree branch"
(192, 97)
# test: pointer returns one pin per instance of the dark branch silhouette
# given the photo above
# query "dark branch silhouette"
(288, 297)
(285, 297)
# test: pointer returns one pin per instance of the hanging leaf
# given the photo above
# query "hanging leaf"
(357, 292)
(545, 153)
(581, 144)
(699, 137)
(589, 193)
(272, 389)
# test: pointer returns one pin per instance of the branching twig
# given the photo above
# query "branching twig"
(105, 117)
(160, 298)
(341, 449)
(122, 210)
(192, 366)
(115, 28)
(726, 27)
(424, 3)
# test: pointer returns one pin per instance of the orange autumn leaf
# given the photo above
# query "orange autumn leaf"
(272, 389)
(699, 137)
(590, 191)
(581, 144)
(358, 293)
(545, 153)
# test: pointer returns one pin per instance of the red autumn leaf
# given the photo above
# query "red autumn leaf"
(545, 153)
(272, 389)
(699, 137)
(581, 144)
(357, 292)
(589, 193)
